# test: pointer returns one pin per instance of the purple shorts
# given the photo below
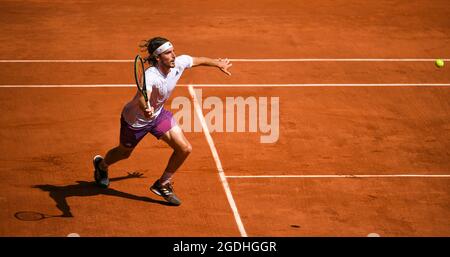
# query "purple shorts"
(130, 136)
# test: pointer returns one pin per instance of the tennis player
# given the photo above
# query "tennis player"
(137, 120)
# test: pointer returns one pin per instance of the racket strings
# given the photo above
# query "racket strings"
(139, 69)
(29, 216)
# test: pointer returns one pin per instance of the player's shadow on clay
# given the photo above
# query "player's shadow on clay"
(83, 188)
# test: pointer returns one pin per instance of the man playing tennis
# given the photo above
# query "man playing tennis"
(137, 119)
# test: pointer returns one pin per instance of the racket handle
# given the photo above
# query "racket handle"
(149, 107)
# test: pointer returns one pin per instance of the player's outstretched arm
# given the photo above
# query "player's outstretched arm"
(222, 64)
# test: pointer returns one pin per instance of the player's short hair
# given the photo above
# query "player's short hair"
(150, 46)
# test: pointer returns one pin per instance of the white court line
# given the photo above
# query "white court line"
(222, 176)
(240, 85)
(246, 60)
(344, 176)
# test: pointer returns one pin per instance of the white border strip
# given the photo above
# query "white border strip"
(65, 61)
(241, 85)
(70, 86)
(326, 85)
(222, 176)
(344, 176)
(248, 60)
(340, 60)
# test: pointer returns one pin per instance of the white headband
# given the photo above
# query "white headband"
(161, 49)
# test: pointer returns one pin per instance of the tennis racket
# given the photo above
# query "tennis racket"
(33, 216)
(139, 76)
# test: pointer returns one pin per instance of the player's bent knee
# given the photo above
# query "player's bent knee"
(125, 152)
(186, 150)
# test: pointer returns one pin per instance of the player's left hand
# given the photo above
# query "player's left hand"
(149, 112)
(224, 65)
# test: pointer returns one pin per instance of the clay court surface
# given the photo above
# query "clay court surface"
(363, 147)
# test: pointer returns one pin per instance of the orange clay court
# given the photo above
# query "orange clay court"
(364, 118)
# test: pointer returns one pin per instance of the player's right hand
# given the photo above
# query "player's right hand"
(149, 112)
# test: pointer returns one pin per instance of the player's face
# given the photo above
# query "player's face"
(168, 58)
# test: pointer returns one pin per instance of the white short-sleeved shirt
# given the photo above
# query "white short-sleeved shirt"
(161, 89)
